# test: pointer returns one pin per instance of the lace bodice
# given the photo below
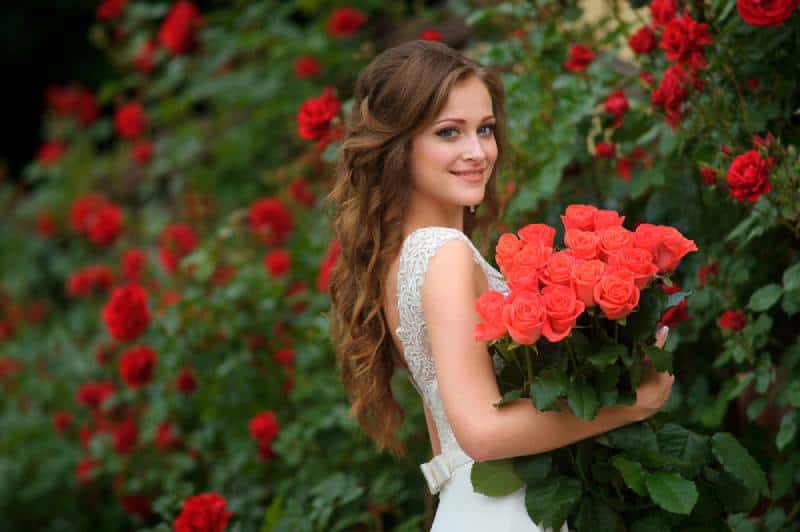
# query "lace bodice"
(417, 251)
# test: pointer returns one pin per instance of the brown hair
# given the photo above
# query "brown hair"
(397, 95)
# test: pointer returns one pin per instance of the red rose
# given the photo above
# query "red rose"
(176, 241)
(663, 11)
(104, 225)
(144, 61)
(45, 224)
(490, 308)
(165, 436)
(142, 152)
(284, 356)
(62, 420)
(94, 394)
(83, 208)
(585, 275)
(616, 104)
(110, 9)
(674, 315)
(583, 244)
(223, 274)
(709, 175)
(683, 39)
(84, 469)
(524, 315)
(300, 192)
(431, 34)
(126, 314)
(50, 152)
(579, 216)
(136, 366)
(672, 93)
(704, 271)
(732, 320)
(614, 239)
(558, 269)
(563, 309)
(748, 176)
(178, 30)
(315, 115)
(643, 41)
(271, 220)
(345, 22)
(507, 246)
(186, 382)
(606, 150)
(277, 262)
(264, 429)
(638, 261)
(306, 67)
(616, 294)
(539, 233)
(580, 57)
(130, 120)
(605, 218)
(766, 12)
(125, 435)
(86, 109)
(203, 513)
(133, 263)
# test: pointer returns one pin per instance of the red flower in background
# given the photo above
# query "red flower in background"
(176, 241)
(136, 505)
(616, 104)
(306, 67)
(62, 421)
(84, 468)
(94, 394)
(136, 366)
(677, 314)
(83, 208)
(766, 12)
(683, 39)
(663, 11)
(673, 92)
(142, 152)
(300, 192)
(732, 320)
(207, 512)
(45, 224)
(709, 175)
(110, 9)
(705, 271)
(277, 262)
(178, 31)
(126, 314)
(50, 152)
(345, 22)
(324, 275)
(97, 278)
(130, 120)
(431, 34)
(185, 382)
(165, 436)
(264, 429)
(580, 57)
(606, 150)
(73, 100)
(643, 41)
(285, 356)
(315, 115)
(104, 225)
(271, 220)
(126, 434)
(144, 60)
(748, 176)
(133, 264)
(625, 163)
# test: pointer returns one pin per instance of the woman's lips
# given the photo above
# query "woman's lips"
(472, 176)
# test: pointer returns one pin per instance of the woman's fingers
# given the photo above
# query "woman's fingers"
(661, 336)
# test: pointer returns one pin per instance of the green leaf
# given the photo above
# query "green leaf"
(741, 385)
(533, 469)
(545, 390)
(787, 430)
(495, 478)
(732, 492)
(651, 523)
(672, 492)
(791, 278)
(272, 515)
(641, 324)
(676, 298)
(582, 400)
(662, 359)
(693, 449)
(550, 503)
(607, 355)
(594, 514)
(636, 438)
(632, 473)
(508, 397)
(763, 298)
(737, 461)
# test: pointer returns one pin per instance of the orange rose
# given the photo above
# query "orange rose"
(614, 239)
(579, 217)
(541, 233)
(524, 315)
(638, 261)
(603, 219)
(528, 262)
(558, 269)
(673, 248)
(563, 309)
(490, 308)
(616, 294)
(584, 244)
(585, 275)
(647, 236)
(507, 246)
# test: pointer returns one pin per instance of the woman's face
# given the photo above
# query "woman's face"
(451, 159)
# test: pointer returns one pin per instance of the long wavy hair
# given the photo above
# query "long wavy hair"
(396, 96)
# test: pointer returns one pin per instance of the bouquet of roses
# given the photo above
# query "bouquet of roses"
(574, 331)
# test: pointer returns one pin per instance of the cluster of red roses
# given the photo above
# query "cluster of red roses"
(264, 429)
(176, 241)
(95, 278)
(207, 512)
(73, 101)
(603, 265)
(96, 217)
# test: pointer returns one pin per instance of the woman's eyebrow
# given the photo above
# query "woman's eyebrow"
(461, 120)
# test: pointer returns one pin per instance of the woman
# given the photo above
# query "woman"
(421, 150)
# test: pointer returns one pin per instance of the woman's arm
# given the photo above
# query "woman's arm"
(468, 386)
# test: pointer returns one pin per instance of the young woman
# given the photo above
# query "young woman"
(422, 147)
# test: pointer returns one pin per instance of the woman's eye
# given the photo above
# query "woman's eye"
(489, 127)
(443, 132)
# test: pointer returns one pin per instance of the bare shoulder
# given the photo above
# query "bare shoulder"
(451, 273)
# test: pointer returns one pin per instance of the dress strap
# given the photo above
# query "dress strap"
(440, 469)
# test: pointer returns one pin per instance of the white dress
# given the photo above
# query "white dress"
(460, 508)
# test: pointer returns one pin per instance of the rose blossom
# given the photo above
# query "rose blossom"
(732, 320)
(585, 275)
(431, 34)
(130, 120)
(345, 22)
(616, 104)
(264, 429)
(126, 314)
(315, 115)
(673, 315)
(766, 12)
(674, 246)
(663, 11)
(541, 233)
(523, 274)
(579, 58)
(507, 246)
(136, 366)
(50, 152)
(603, 219)
(306, 66)
(178, 30)
(638, 261)
(328, 262)
(614, 239)
(683, 39)
(704, 271)
(616, 294)
(105, 225)
(271, 220)
(647, 236)
(94, 394)
(583, 244)
(563, 309)
(176, 241)
(185, 382)
(277, 262)
(605, 150)
(643, 41)
(558, 269)
(579, 216)
(524, 316)
(748, 176)
(144, 61)
(490, 308)
(207, 512)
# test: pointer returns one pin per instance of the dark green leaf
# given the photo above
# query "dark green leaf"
(651, 523)
(533, 469)
(594, 514)
(642, 323)
(495, 478)
(738, 461)
(662, 359)
(582, 400)
(693, 449)
(607, 355)
(672, 492)
(508, 397)
(763, 298)
(545, 390)
(550, 503)
(787, 430)
(732, 492)
(791, 278)
(632, 473)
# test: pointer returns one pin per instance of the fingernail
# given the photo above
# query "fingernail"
(663, 331)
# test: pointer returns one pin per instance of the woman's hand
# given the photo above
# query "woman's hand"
(655, 387)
